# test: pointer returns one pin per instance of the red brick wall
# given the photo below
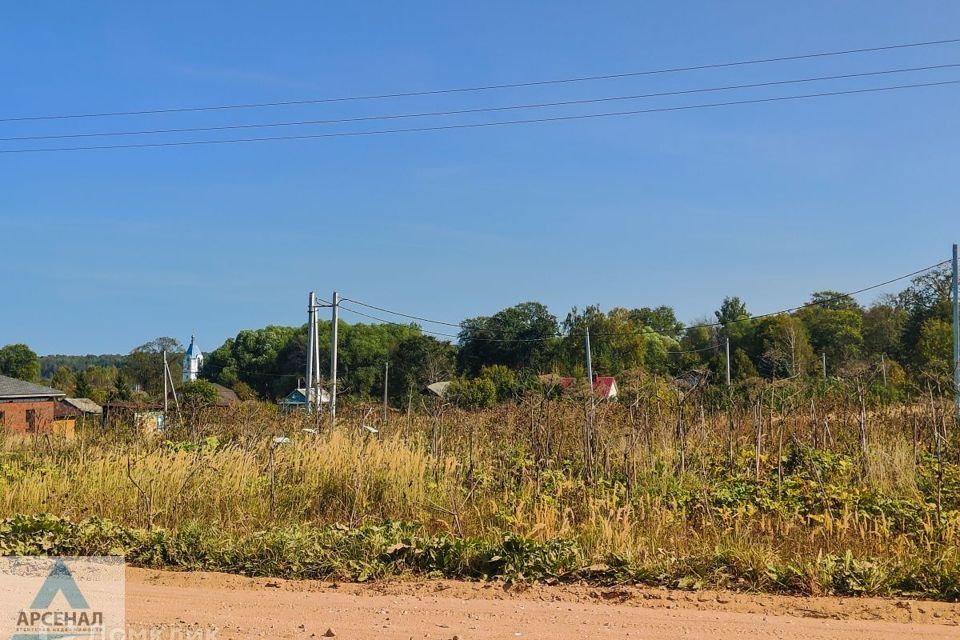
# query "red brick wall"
(14, 416)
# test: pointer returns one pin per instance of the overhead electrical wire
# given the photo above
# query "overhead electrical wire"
(645, 330)
(478, 125)
(489, 87)
(457, 112)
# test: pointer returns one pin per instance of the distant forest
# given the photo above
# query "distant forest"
(50, 364)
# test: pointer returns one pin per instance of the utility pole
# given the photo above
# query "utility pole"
(333, 358)
(311, 347)
(166, 391)
(823, 359)
(589, 360)
(386, 382)
(883, 368)
(728, 362)
(956, 336)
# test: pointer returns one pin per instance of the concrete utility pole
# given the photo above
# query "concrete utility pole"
(883, 368)
(386, 382)
(589, 359)
(311, 347)
(728, 362)
(335, 307)
(166, 391)
(823, 359)
(956, 336)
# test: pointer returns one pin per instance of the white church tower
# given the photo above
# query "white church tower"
(192, 361)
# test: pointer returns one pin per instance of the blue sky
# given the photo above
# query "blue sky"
(104, 250)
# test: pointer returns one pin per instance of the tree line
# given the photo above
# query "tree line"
(908, 332)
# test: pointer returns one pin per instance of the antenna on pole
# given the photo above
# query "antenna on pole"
(335, 307)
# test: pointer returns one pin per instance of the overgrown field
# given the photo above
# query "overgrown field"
(785, 487)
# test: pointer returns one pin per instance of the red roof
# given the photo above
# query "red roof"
(602, 385)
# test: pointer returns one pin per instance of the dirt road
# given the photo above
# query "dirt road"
(214, 606)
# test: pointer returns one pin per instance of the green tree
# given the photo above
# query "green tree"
(82, 388)
(835, 324)
(503, 379)
(144, 365)
(935, 346)
(64, 380)
(883, 328)
(18, 361)
(417, 361)
(521, 337)
(476, 393)
(786, 346)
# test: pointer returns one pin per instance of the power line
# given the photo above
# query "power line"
(647, 330)
(348, 134)
(490, 87)
(455, 112)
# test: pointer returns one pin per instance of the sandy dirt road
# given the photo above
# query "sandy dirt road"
(222, 607)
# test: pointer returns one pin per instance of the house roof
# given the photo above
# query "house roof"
(11, 388)
(226, 397)
(84, 405)
(602, 385)
(438, 388)
(299, 396)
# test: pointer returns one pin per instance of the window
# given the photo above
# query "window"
(31, 419)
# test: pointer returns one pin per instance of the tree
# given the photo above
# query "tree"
(883, 327)
(64, 380)
(82, 388)
(521, 337)
(786, 347)
(121, 388)
(662, 320)
(418, 361)
(476, 393)
(935, 347)
(18, 361)
(144, 365)
(835, 324)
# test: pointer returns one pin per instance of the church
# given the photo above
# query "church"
(192, 361)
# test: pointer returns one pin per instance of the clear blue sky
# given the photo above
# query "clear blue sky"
(104, 250)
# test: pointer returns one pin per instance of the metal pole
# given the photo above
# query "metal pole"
(333, 358)
(728, 362)
(956, 336)
(386, 383)
(311, 346)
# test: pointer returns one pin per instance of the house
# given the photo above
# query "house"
(26, 407)
(297, 399)
(226, 397)
(85, 406)
(143, 417)
(604, 387)
(69, 412)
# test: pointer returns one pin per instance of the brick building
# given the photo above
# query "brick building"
(26, 407)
